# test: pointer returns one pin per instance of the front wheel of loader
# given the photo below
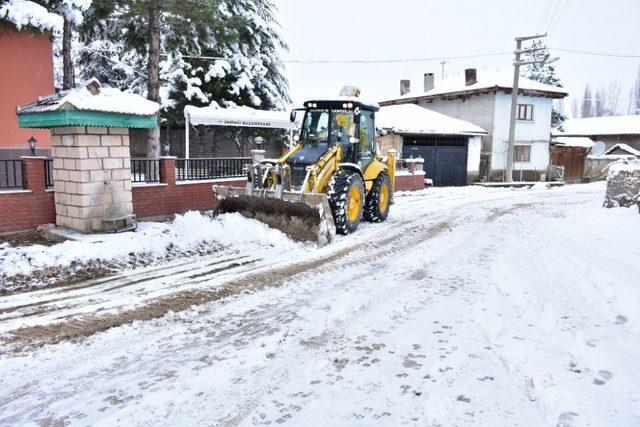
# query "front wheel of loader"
(378, 200)
(346, 199)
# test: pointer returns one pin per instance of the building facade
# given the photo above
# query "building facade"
(486, 102)
(26, 72)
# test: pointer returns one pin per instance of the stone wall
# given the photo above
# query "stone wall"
(92, 176)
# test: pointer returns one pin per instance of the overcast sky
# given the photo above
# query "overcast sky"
(406, 29)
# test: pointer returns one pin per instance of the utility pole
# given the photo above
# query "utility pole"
(442, 63)
(514, 98)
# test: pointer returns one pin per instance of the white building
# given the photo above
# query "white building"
(486, 102)
(450, 147)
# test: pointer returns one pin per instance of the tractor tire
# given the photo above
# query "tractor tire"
(346, 199)
(376, 208)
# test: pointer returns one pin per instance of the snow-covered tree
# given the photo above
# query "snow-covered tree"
(71, 12)
(587, 107)
(544, 72)
(211, 52)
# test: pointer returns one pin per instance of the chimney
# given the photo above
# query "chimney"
(428, 81)
(405, 87)
(470, 77)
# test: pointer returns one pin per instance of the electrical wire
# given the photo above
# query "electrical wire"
(588, 52)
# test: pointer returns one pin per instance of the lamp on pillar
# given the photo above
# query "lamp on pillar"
(32, 145)
(166, 148)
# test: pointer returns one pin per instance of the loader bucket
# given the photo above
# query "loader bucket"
(302, 216)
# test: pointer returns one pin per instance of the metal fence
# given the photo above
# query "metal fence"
(48, 173)
(145, 170)
(221, 167)
(11, 174)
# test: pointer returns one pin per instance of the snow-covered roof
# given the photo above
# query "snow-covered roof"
(614, 125)
(486, 81)
(23, 13)
(91, 96)
(623, 147)
(411, 118)
(237, 116)
(574, 141)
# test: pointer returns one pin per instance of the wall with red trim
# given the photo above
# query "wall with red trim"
(34, 206)
(31, 207)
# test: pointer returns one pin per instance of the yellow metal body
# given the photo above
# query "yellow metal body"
(329, 164)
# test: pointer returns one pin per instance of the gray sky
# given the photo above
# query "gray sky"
(401, 29)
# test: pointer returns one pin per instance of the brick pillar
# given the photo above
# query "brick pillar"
(168, 170)
(92, 176)
(33, 172)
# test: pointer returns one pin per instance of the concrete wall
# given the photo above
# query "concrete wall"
(534, 133)
(477, 109)
(26, 72)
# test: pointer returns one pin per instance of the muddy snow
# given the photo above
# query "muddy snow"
(468, 306)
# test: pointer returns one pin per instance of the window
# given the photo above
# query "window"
(525, 112)
(522, 153)
(367, 134)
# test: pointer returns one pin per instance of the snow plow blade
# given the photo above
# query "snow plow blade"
(301, 216)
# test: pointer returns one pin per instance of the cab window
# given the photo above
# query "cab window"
(367, 134)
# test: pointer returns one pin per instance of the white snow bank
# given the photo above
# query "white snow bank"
(186, 232)
(23, 13)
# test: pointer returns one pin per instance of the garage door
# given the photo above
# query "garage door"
(445, 158)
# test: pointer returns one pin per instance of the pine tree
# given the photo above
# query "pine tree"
(72, 14)
(544, 72)
(213, 52)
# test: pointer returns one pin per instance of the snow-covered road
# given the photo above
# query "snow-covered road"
(469, 306)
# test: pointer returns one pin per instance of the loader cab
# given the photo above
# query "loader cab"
(345, 122)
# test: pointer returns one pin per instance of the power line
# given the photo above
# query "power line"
(374, 61)
(552, 26)
(555, 7)
(588, 52)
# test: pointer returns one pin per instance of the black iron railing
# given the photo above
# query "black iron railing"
(221, 167)
(11, 174)
(145, 170)
(48, 173)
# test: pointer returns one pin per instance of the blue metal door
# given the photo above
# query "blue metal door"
(445, 157)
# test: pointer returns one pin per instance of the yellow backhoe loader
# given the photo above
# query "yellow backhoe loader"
(328, 182)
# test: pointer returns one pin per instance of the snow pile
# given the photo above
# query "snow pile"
(186, 232)
(91, 96)
(411, 118)
(623, 183)
(110, 100)
(23, 13)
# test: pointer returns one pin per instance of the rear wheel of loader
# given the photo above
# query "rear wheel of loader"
(376, 207)
(346, 199)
